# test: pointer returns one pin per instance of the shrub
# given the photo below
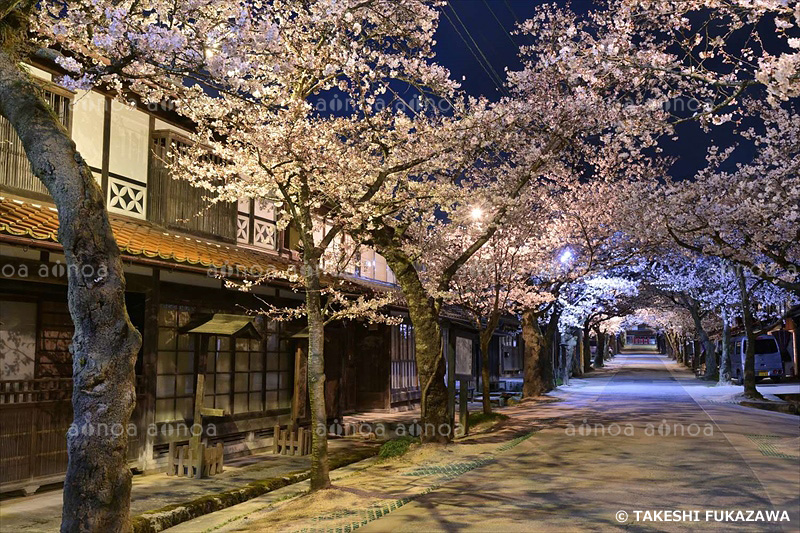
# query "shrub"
(396, 447)
(482, 418)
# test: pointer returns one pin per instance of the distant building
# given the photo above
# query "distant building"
(643, 335)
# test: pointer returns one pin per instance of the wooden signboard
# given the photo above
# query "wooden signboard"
(463, 357)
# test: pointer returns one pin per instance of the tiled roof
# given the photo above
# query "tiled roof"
(24, 218)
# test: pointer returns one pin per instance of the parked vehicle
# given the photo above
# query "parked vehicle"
(768, 358)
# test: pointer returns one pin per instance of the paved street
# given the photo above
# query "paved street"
(554, 480)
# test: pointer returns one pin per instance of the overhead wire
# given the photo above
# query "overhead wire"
(480, 57)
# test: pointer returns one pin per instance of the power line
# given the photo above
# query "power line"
(478, 48)
(478, 59)
(508, 6)
(483, 61)
(499, 23)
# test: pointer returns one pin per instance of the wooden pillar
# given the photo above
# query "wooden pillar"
(196, 440)
(450, 354)
(299, 393)
(152, 305)
(463, 407)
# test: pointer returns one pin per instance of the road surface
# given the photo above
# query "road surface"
(644, 436)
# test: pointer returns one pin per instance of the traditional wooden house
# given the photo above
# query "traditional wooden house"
(176, 247)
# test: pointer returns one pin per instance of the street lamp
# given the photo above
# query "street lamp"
(566, 256)
(476, 213)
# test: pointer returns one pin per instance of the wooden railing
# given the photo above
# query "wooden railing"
(22, 391)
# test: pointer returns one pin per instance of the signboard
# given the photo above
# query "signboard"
(463, 356)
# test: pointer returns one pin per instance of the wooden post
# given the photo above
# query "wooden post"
(195, 442)
(299, 390)
(450, 353)
(149, 363)
(181, 456)
(171, 463)
(463, 408)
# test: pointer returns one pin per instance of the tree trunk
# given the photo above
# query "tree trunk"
(436, 427)
(320, 475)
(711, 359)
(105, 343)
(598, 356)
(536, 380)
(750, 354)
(485, 340)
(587, 349)
(577, 356)
(724, 358)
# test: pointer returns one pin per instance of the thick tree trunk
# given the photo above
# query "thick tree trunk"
(538, 376)
(320, 476)
(577, 356)
(598, 356)
(431, 366)
(105, 343)
(705, 341)
(724, 358)
(750, 355)
(587, 349)
(485, 340)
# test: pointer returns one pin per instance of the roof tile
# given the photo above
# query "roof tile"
(23, 219)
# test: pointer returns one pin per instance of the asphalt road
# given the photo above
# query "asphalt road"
(644, 436)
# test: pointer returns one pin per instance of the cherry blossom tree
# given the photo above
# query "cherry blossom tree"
(701, 285)
(331, 173)
(247, 78)
(104, 344)
(749, 215)
(589, 303)
(516, 272)
(488, 286)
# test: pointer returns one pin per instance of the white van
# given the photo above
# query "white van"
(768, 358)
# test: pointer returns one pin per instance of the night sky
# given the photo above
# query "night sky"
(475, 40)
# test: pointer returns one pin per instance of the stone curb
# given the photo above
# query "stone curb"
(171, 515)
(779, 407)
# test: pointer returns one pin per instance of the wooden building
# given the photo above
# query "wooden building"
(176, 247)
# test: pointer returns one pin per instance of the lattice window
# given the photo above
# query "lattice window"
(242, 375)
(15, 169)
(175, 366)
(404, 363)
(175, 203)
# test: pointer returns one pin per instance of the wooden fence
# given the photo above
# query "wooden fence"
(36, 415)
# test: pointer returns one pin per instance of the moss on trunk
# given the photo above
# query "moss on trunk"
(431, 367)
(538, 370)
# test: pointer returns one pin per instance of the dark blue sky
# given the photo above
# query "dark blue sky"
(475, 40)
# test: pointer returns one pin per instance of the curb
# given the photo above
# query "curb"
(778, 407)
(171, 515)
